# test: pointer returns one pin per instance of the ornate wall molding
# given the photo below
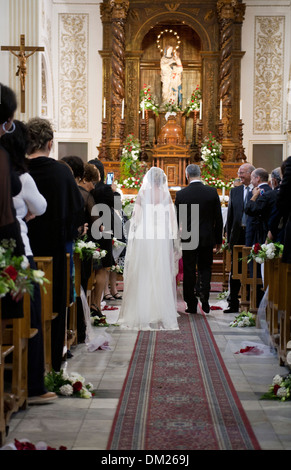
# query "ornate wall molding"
(269, 74)
(73, 72)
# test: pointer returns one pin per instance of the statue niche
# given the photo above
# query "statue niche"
(171, 153)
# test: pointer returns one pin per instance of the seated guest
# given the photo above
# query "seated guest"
(28, 204)
(50, 232)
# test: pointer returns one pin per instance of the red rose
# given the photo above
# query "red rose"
(276, 388)
(77, 386)
(11, 272)
(257, 248)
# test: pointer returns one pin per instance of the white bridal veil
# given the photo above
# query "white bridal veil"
(152, 254)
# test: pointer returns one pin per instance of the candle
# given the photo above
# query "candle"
(122, 109)
(240, 109)
(220, 113)
(104, 108)
(143, 110)
(223, 192)
(200, 114)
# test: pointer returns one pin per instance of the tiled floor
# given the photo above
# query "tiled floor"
(84, 424)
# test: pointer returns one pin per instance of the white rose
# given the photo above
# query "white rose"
(38, 275)
(282, 392)
(24, 263)
(66, 390)
(277, 380)
(84, 393)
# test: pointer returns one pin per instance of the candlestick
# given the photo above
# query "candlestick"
(220, 113)
(223, 192)
(200, 114)
(104, 109)
(122, 110)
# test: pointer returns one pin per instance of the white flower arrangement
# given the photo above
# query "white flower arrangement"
(260, 253)
(88, 250)
(68, 385)
(116, 268)
(243, 320)
(280, 388)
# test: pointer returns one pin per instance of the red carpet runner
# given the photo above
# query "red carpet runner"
(178, 395)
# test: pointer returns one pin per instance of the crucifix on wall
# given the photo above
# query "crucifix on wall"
(21, 53)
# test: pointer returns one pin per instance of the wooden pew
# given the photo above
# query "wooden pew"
(226, 268)
(284, 311)
(15, 335)
(46, 265)
(71, 321)
(5, 350)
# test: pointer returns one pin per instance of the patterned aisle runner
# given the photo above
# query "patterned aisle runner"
(178, 395)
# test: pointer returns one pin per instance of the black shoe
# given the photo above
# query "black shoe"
(205, 307)
(231, 310)
(190, 310)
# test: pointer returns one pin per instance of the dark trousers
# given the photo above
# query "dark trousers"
(35, 370)
(201, 260)
(235, 284)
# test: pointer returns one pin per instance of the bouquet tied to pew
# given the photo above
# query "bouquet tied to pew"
(16, 275)
(270, 250)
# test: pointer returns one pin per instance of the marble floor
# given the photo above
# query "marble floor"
(84, 424)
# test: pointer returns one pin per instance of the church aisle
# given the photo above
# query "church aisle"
(85, 424)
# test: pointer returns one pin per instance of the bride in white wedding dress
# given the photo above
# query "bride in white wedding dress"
(153, 249)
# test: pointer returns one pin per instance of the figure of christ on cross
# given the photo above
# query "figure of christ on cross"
(20, 53)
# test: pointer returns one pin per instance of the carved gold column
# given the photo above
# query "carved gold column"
(119, 9)
(230, 15)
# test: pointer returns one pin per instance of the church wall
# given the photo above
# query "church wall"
(264, 81)
(77, 77)
(21, 17)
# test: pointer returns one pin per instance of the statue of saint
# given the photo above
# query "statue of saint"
(171, 76)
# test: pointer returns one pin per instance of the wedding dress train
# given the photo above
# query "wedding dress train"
(149, 297)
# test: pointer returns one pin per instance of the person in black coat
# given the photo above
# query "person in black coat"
(284, 207)
(208, 231)
(10, 186)
(51, 232)
(259, 207)
(236, 227)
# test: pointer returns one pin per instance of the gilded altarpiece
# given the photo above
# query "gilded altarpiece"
(210, 50)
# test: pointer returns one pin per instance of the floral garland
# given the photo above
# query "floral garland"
(211, 152)
(146, 100)
(88, 250)
(280, 388)
(260, 253)
(194, 103)
(16, 276)
(72, 385)
(128, 205)
(243, 319)
(215, 182)
(132, 169)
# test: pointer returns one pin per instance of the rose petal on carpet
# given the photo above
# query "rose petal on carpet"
(178, 395)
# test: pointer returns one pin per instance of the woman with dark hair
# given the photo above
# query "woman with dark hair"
(104, 195)
(50, 233)
(28, 204)
(10, 186)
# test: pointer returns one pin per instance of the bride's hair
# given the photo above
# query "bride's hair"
(156, 176)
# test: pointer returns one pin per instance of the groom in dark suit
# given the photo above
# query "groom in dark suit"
(236, 226)
(209, 233)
